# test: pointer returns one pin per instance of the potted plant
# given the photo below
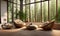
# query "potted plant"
(22, 15)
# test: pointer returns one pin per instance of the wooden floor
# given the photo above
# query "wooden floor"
(19, 32)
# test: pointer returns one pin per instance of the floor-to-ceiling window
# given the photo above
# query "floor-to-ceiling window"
(40, 10)
(58, 10)
(13, 9)
(32, 11)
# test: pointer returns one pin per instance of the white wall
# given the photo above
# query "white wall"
(3, 11)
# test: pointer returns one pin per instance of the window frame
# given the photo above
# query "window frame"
(35, 9)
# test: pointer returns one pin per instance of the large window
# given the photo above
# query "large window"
(34, 10)
(40, 10)
(58, 10)
(13, 9)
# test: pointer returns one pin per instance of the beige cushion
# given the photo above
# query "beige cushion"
(18, 23)
(7, 26)
(48, 25)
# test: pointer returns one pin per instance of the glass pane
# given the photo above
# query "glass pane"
(24, 11)
(18, 2)
(58, 20)
(32, 12)
(44, 11)
(31, 1)
(27, 1)
(15, 1)
(14, 10)
(53, 9)
(37, 12)
(23, 1)
(9, 12)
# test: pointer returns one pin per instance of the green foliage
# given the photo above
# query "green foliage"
(58, 15)
(22, 15)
